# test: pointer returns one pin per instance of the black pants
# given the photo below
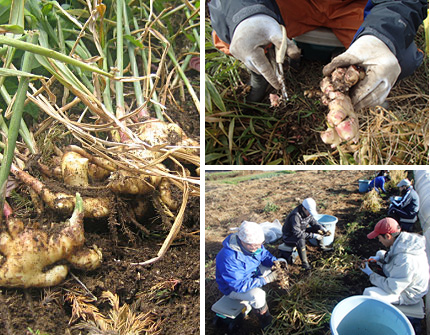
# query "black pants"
(405, 220)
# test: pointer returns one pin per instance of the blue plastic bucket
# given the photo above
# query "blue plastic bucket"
(363, 185)
(363, 315)
(328, 222)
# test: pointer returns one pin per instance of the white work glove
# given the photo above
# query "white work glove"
(381, 254)
(367, 270)
(317, 236)
(248, 42)
(283, 260)
(271, 277)
(381, 66)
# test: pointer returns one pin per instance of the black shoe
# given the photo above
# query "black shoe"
(306, 266)
(304, 258)
(258, 88)
(265, 320)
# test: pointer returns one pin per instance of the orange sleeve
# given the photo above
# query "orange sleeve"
(220, 45)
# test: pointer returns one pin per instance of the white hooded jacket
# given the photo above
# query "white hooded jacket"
(406, 269)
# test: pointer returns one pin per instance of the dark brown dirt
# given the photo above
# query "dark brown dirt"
(260, 200)
(168, 290)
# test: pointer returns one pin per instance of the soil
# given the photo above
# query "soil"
(261, 200)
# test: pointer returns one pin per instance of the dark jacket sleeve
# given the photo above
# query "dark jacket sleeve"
(314, 223)
(396, 24)
(227, 14)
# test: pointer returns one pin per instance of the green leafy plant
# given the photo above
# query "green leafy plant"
(270, 207)
(36, 332)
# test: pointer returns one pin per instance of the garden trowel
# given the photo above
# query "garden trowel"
(280, 57)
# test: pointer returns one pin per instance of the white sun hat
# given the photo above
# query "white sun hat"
(251, 233)
(404, 182)
(311, 206)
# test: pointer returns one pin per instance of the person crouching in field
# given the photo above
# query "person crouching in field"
(243, 267)
(299, 226)
(405, 265)
(378, 183)
(405, 210)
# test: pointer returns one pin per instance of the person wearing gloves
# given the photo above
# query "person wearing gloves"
(299, 226)
(378, 35)
(243, 267)
(405, 265)
(378, 183)
(405, 210)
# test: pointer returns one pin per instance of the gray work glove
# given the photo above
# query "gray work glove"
(283, 260)
(271, 277)
(316, 236)
(248, 42)
(324, 232)
(381, 66)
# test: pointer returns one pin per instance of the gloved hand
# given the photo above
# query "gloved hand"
(382, 70)
(374, 258)
(324, 232)
(271, 277)
(366, 269)
(283, 260)
(316, 236)
(381, 254)
(249, 40)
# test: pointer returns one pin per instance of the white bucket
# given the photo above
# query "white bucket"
(362, 315)
(328, 222)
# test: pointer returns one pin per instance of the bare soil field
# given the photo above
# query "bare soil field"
(229, 202)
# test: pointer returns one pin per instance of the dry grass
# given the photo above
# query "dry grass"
(396, 177)
(121, 320)
(372, 202)
(311, 298)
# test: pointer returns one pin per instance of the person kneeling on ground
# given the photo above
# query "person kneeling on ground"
(378, 183)
(295, 231)
(406, 209)
(243, 267)
(405, 265)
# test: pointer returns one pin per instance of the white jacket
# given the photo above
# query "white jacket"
(406, 269)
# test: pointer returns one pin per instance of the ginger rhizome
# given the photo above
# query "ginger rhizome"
(30, 255)
(342, 120)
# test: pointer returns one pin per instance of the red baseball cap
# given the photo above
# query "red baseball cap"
(385, 226)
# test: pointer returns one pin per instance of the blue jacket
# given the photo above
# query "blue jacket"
(377, 183)
(237, 270)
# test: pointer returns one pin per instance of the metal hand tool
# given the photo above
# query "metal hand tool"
(280, 58)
